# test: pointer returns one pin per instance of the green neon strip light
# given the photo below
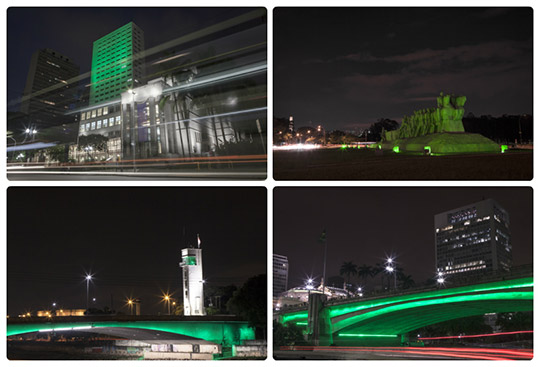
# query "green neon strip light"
(369, 335)
(428, 148)
(343, 146)
(295, 316)
(504, 148)
(302, 323)
(395, 149)
(217, 331)
(362, 305)
(430, 302)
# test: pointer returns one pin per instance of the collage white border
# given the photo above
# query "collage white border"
(269, 183)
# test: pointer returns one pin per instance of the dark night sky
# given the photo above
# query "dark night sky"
(131, 239)
(364, 225)
(72, 31)
(347, 67)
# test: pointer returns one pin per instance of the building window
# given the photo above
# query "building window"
(99, 112)
(117, 120)
(93, 126)
(83, 115)
(105, 110)
(99, 124)
(105, 123)
(87, 126)
(111, 121)
(93, 113)
(82, 128)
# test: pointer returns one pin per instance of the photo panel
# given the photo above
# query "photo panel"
(130, 273)
(369, 273)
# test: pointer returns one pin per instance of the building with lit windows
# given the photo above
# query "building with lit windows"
(117, 63)
(473, 239)
(176, 100)
(49, 92)
(280, 274)
(193, 282)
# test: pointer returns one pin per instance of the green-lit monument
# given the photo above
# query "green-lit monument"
(437, 131)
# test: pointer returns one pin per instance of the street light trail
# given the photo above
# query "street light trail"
(476, 336)
(460, 353)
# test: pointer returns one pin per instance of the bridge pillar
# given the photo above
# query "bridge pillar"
(319, 322)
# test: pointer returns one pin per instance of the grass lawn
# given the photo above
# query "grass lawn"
(368, 164)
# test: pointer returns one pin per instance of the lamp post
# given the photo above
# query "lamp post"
(440, 279)
(167, 299)
(319, 128)
(88, 278)
(391, 269)
(130, 304)
(133, 141)
(30, 131)
(309, 287)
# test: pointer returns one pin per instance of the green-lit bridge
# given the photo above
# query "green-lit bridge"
(226, 331)
(387, 320)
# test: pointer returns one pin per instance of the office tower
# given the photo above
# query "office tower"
(117, 63)
(280, 274)
(49, 92)
(473, 239)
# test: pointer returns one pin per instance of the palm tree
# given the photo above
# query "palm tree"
(348, 269)
(406, 281)
(365, 271)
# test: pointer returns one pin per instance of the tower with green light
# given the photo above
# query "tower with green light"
(117, 63)
(193, 282)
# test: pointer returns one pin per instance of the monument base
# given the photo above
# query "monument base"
(444, 143)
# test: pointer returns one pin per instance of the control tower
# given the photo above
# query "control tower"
(192, 274)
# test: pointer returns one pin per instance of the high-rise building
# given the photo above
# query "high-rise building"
(280, 274)
(48, 92)
(117, 63)
(193, 282)
(291, 124)
(473, 239)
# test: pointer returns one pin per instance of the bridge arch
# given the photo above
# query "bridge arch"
(220, 332)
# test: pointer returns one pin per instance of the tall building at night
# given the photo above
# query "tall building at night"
(117, 63)
(193, 282)
(280, 274)
(48, 92)
(473, 239)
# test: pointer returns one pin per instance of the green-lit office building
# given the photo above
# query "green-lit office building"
(117, 63)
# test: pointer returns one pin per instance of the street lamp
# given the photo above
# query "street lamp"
(88, 279)
(167, 299)
(440, 279)
(309, 287)
(319, 128)
(130, 304)
(359, 292)
(391, 269)
(30, 131)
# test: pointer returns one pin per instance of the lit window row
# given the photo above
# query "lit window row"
(464, 265)
(465, 269)
(100, 124)
(94, 113)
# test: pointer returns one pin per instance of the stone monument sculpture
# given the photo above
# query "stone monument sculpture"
(447, 117)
